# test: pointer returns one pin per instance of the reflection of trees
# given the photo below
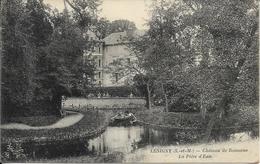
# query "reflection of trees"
(167, 137)
(222, 133)
(255, 132)
(144, 139)
(171, 137)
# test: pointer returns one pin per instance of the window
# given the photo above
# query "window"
(99, 62)
(128, 60)
(99, 75)
(98, 49)
(116, 74)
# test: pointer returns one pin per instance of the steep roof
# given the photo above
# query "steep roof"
(121, 37)
(115, 38)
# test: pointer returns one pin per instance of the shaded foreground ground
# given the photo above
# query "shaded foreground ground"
(114, 157)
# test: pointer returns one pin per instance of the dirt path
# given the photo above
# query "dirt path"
(62, 123)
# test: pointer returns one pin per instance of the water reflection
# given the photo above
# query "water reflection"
(122, 139)
(129, 139)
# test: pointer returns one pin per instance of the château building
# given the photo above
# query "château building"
(105, 51)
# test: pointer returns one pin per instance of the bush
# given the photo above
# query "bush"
(121, 91)
(186, 103)
(13, 151)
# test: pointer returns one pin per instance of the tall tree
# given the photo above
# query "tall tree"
(84, 11)
(21, 37)
(121, 25)
(103, 27)
(231, 26)
(160, 51)
(42, 58)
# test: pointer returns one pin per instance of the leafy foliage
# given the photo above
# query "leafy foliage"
(104, 27)
(42, 57)
(13, 151)
(121, 25)
(120, 91)
(201, 55)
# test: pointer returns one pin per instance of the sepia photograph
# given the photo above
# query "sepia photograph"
(129, 81)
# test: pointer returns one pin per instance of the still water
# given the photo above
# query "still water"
(129, 140)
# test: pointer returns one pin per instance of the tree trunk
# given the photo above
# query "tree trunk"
(57, 103)
(148, 101)
(165, 98)
(203, 110)
(224, 103)
(217, 116)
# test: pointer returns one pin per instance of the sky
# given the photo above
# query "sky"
(133, 10)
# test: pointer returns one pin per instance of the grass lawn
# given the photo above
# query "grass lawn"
(33, 121)
(93, 122)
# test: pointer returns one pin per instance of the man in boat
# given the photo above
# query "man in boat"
(131, 116)
(118, 116)
(122, 117)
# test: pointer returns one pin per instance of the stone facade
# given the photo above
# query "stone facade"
(96, 53)
(105, 51)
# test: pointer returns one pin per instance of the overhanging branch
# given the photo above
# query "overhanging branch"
(75, 8)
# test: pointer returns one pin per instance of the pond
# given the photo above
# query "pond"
(128, 140)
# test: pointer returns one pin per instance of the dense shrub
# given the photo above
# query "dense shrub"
(121, 91)
(185, 103)
(13, 151)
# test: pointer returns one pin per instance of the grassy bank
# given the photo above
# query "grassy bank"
(238, 116)
(23, 145)
(171, 119)
(33, 121)
(93, 122)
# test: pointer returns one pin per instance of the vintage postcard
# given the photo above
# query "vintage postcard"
(129, 81)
